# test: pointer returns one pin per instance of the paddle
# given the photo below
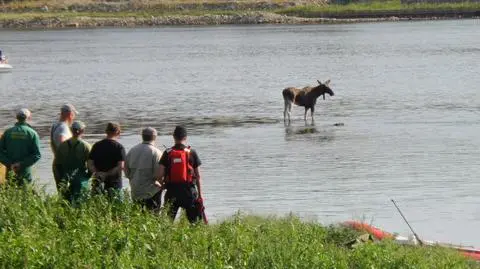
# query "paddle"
(414, 234)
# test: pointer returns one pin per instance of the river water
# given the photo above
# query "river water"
(407, 95)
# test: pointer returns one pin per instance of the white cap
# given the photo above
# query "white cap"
(23, 114)
(68, 108)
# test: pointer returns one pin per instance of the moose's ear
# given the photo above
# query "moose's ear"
(319, 83)
(327, 82)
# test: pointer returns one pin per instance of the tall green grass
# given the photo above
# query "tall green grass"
(377, 6)
(40, 231)
(28, 10)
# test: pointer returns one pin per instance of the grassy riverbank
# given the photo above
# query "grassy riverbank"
(378, 8)
(44, 232)
(89, 13)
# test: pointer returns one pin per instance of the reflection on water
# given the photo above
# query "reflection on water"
(303, 133)
(311, 132)
(403, 123)
(301, 130)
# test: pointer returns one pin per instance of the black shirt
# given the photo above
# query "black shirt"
(193, 157)
(106, 154)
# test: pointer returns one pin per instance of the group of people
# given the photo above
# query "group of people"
(80, 170)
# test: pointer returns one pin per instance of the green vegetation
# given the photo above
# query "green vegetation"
(148, 8)
(375, 7)
(148, 5)
(40, 231)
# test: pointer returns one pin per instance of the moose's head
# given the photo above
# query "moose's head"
(324, 88)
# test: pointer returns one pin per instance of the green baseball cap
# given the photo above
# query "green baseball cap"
(78, 126)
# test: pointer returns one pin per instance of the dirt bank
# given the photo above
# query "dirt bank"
(36, 22)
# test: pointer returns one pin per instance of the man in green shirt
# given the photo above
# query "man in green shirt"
(19, 149)
(71, 164)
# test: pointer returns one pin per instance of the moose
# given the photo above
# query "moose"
(306, 97)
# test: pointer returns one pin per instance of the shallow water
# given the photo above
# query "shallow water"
(407, 94)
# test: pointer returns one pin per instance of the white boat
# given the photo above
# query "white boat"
(4, 68)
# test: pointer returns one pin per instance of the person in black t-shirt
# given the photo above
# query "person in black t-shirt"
(182, 180)
(106, 162)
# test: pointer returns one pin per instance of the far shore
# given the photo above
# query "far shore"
(58, 22)
(32, 15)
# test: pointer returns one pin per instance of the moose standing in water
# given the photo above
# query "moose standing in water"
(306, 97)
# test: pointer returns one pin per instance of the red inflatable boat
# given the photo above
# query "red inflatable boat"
(380, 235)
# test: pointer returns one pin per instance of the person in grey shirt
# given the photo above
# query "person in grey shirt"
(60, 132)
(142, 162)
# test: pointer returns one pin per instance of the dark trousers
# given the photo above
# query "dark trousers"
(184, 196)
(56, 176)
(21, 180)
(112, 187)
(154, 203)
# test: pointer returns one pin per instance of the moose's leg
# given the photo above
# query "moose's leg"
(290, 104)
(312, 110)
(285, 110)
(305, 115)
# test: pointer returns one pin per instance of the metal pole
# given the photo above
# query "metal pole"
(414, 234)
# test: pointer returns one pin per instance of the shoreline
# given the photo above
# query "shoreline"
(37, 229)
(60, 20)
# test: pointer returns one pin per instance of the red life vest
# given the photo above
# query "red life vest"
(180, 169)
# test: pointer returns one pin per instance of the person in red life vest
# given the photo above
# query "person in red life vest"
(179, 169)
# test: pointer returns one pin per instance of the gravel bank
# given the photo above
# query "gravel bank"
(241, 18)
